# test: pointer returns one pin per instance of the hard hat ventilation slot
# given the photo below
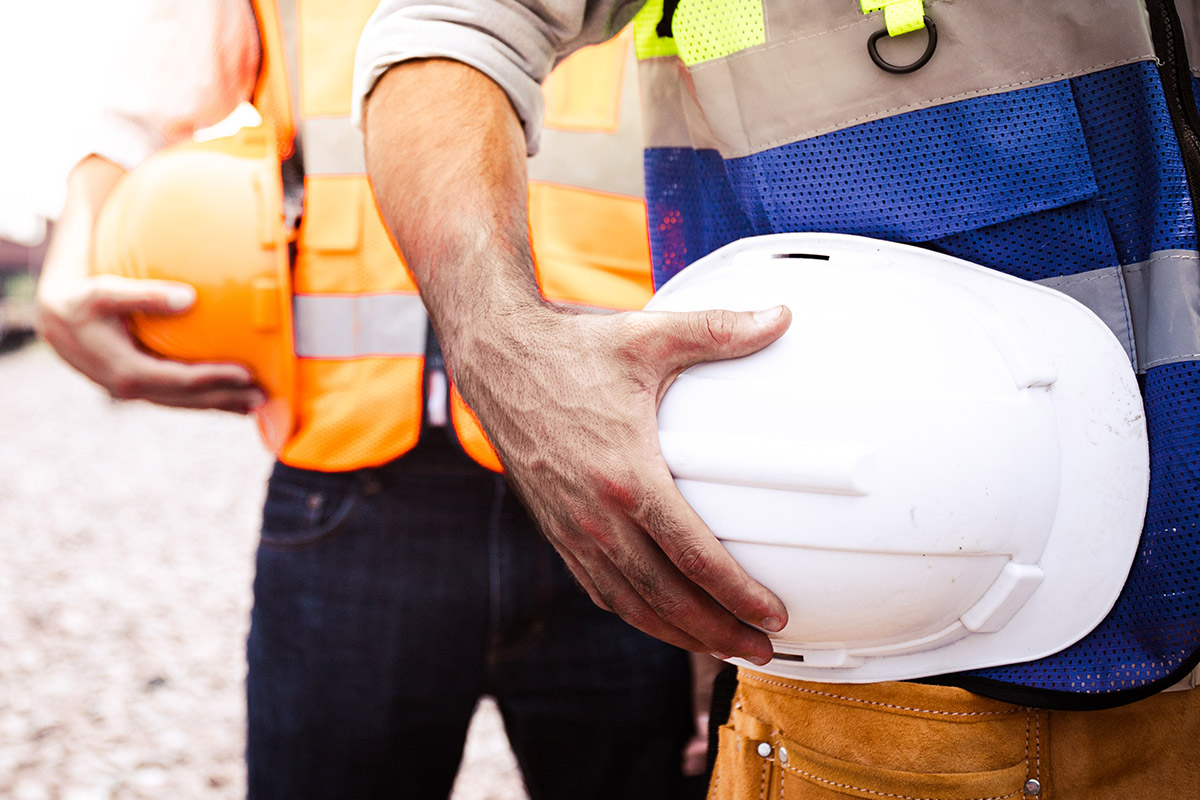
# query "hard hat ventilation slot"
(810, 256)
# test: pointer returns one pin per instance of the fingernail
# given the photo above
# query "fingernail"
(719, 656)
(769, 316)
(758, 662)
(257, 399)
(772, 624)
(179, 297)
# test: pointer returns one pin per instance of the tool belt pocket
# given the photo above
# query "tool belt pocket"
(756, 762)
(741, 770)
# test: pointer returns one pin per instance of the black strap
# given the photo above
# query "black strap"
(724, 687)
(664, 24)
(292, 171)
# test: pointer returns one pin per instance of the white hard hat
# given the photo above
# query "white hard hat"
(937, 468)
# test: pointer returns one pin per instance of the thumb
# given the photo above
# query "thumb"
(694, 337)
(113, 294)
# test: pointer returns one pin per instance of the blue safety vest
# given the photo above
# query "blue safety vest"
(1068, 163)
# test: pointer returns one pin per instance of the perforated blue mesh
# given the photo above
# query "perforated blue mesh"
(1138, 168)
(1059, 241)
(1077, 175)
(690, 187)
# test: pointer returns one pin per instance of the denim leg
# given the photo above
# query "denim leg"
(367, 642)
(593, 707)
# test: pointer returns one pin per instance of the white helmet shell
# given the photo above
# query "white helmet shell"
(937, 468)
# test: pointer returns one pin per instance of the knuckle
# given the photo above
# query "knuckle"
(635, 325)
(718, 326)
(124, 386)
(95, 294)
(648, 511)
(639, 615)
(695, 561)
(669, 605)
(637, 339)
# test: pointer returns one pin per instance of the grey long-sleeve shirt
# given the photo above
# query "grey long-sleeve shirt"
(516, 43)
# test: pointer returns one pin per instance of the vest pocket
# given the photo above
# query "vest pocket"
(333, 212)
(932, 172)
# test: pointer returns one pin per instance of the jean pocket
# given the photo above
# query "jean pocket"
(297, 516)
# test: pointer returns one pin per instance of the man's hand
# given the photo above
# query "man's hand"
(568, 399)
(570, 402)
(85, 317)
(85, 320)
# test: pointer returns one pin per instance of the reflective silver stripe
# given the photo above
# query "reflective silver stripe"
(600, 161)
(350, 326)
(604, 162)
(1164, 302)
(1153, 307)
(332, 146)
(672, 117)
(813, 74)
(1102, 291)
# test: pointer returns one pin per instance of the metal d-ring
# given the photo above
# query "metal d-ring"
(887, 66)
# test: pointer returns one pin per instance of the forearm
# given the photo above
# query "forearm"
(69, 254)
(569, 400)
(446, 156)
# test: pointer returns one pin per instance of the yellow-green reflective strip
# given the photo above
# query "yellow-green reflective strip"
(710, 29)
(900, 16)
(646, 41)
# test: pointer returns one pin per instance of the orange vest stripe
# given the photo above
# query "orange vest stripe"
(272, 92)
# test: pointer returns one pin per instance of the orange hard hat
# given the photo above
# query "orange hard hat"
(211, 214)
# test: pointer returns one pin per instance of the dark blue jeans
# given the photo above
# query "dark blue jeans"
(388, 600)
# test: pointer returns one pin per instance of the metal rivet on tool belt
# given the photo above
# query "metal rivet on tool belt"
(782, 755)
(764, 749)
(1033, 786)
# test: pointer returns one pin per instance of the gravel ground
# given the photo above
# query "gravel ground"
(127, 534)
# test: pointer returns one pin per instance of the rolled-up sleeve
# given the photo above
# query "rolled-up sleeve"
(514, 43)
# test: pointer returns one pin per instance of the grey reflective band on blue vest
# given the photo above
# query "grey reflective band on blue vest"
(1153, 306)
(359, 326)
(1164, 303)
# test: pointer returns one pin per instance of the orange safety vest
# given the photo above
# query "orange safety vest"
(360, 326)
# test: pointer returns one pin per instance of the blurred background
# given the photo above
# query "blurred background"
(127, 531)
